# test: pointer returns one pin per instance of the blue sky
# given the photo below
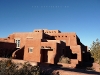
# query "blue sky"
(80, 16)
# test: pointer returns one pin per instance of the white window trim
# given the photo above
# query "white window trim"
(17, 41)
(29, 49)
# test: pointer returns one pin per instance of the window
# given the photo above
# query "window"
(30, 50)
(17, 41)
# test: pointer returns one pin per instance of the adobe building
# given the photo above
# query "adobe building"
(43, 45)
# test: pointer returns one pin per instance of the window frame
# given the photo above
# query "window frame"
(30, 49)
(17, 41)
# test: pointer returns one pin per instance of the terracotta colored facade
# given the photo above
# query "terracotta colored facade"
(44, 45)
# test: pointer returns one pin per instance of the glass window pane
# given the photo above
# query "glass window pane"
(17, 42)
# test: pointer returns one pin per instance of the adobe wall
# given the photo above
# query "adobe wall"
(51, 52)
(59, 51)
(36, 45)
(19, 53)
(10, 38)
(71, 40)
(7, 45)
(23, 36)
(38, 30)
(69, 37)
(6, 48)
(54, 38)
(77, 50)
(51, 31)
(3, 39)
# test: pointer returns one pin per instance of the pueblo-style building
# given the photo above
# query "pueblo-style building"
(43, 45)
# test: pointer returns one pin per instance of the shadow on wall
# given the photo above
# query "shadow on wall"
(6, 49)
(67, 52)
(19, 53)
(46, 36)
(44, 54)
(87, 61)
(64, 51)
(82, 67)
(61, 50)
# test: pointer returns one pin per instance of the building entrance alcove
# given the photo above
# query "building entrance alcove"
(44, 55)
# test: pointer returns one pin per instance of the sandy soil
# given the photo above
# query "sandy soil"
(67, 71)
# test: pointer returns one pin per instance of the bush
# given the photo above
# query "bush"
(7, 67)
(95, 50)
(64, 60)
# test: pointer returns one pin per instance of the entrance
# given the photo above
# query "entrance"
(44, 55)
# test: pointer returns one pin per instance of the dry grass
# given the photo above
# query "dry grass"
(7, 67)
(64, 60)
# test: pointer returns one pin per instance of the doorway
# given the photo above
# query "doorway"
(44, 55)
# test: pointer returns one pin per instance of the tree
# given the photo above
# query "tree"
(95, 50)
